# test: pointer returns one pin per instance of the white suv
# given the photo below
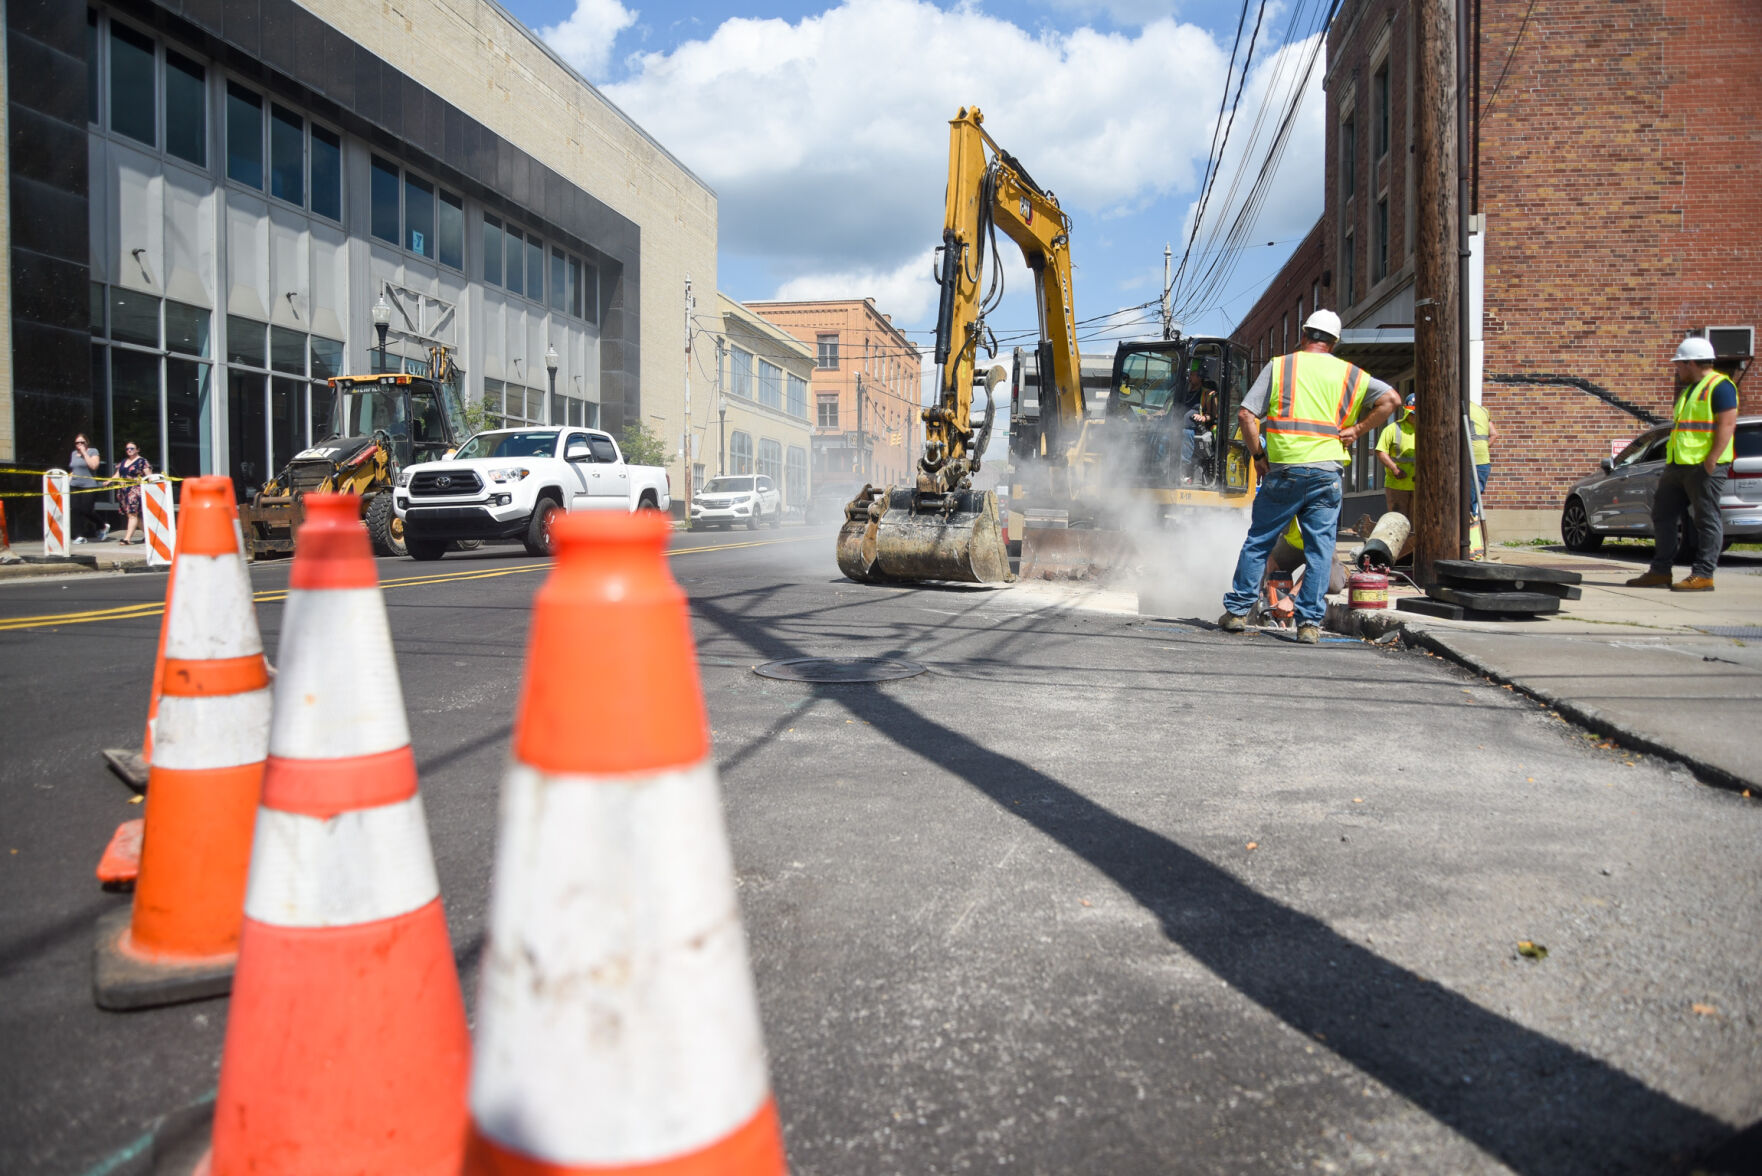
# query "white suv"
(748, 499)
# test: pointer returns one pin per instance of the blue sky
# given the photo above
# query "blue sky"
(823, 129)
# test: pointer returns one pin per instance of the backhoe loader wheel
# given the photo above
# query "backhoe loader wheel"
(384, 527)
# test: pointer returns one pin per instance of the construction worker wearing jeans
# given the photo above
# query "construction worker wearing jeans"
(1314, 406)
(1700, 453)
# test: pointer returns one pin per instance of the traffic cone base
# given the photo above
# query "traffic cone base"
(756, 1146)
(121, 862)
(617, 1021)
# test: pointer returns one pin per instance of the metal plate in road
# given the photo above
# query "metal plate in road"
(839, 669)
(1733, 631)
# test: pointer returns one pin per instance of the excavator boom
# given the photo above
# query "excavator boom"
(940, 528)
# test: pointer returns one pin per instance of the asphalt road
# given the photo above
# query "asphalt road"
(1091, 894)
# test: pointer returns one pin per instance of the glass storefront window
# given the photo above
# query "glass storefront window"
(186, 109)
(247, 429)
(327, 173)
(418, 216)
(535, 269)
(97, 301)
(134, 318)
(287, 415)
(559, 281)
(244, 135)
(516, 261)
(131, 84)
(134, 405)
(188, 418)
(244, 342)
(492, 251)
(186, 328)
(287, 351)
(327, 358)
(575, 286)
(384, 195)
(287, 155)
(590, 292)
(93, 113)
(451, 230)
(321, 405)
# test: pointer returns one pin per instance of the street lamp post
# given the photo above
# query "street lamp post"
(382, 320)
(722, 411)
(551, 367)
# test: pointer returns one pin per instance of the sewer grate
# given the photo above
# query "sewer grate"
(839, 669)
(1733, 631)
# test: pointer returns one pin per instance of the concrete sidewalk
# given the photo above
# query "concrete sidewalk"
(1673, 673)
(108, 556)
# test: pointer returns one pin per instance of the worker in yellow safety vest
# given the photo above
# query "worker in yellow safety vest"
(1698, 459)
(1311, 406)
(1398, 455)
(1480, 435)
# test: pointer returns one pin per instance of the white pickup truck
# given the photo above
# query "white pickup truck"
(504, 486)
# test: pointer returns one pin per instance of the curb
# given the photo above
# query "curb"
(1370, 625)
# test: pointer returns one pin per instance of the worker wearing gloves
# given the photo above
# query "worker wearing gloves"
(1398, 455)
(1699, 458)
(1314, 406)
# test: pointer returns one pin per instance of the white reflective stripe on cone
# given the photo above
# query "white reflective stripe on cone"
(222, 731)
(211, 617)
(355, 867)
(327, 633)
(617, 1021)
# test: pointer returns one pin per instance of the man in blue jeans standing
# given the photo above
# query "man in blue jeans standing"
(1314, 407)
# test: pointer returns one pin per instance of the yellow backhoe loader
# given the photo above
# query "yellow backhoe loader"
(1161, 446)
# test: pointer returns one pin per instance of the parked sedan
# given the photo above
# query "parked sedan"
(1618, 501)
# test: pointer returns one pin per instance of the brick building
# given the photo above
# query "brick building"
(867, 389)
(1614, 175)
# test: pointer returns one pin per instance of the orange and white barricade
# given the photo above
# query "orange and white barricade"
(55, 495)
(158, 520)
(179, 938)
(617, 1028)
(346, 1044)
(7, 555)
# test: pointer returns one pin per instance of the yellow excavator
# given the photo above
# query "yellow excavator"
(1162, 444)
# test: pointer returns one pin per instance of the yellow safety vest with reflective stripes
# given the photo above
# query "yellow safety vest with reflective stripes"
(1691, 437)
(1399, 441)
(1480, 430)
(1313, 397)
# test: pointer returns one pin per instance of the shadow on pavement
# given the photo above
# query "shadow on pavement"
(1540, 1106)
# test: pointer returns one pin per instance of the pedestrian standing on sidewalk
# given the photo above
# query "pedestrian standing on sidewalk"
(128, 497)
(1698, 460)
(1315, 406)
(82, 465)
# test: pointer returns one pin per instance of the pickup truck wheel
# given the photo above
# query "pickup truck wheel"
(384, 527)
(425, 549)
(753, 520)
(538, 531)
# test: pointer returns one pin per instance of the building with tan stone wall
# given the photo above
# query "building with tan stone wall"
(759, 419)
(867, 389)
(208, 199)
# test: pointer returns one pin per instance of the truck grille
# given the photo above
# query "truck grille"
(444, 483)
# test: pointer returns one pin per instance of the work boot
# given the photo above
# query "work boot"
(1650, 580)
(1693, 584)
(1232, 623)
(1308, 634)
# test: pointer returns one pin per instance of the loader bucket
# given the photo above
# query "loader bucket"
(1073, 553)
(897, 536)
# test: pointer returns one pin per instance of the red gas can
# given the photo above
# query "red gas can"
(1367, 590)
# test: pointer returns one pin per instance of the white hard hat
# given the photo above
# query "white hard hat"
(1695, 349)
(1325, 321)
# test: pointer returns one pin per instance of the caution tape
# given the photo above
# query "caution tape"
(107, 484)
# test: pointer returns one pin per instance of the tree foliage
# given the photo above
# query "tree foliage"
(642, 445)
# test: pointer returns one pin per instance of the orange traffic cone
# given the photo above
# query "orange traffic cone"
(617, 1030)
(346, 1046)
(7, 555)
(179, 938)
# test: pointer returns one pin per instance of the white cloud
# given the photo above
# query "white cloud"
(906, 292)
(585, 39)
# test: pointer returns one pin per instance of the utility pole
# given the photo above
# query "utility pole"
(1437, 320)
(1168, 316)
(685, 438)
(722, 407)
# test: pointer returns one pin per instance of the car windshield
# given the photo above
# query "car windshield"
(728, 486)
(521, 443)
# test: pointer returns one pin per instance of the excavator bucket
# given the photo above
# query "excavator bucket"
(1073, 553)
(898, 536)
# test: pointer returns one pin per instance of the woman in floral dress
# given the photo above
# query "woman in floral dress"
(128, 499)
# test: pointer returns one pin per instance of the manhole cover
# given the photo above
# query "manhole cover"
(839, 669)
(1751, 631)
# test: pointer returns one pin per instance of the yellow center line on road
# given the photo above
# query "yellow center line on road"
(153, 608)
